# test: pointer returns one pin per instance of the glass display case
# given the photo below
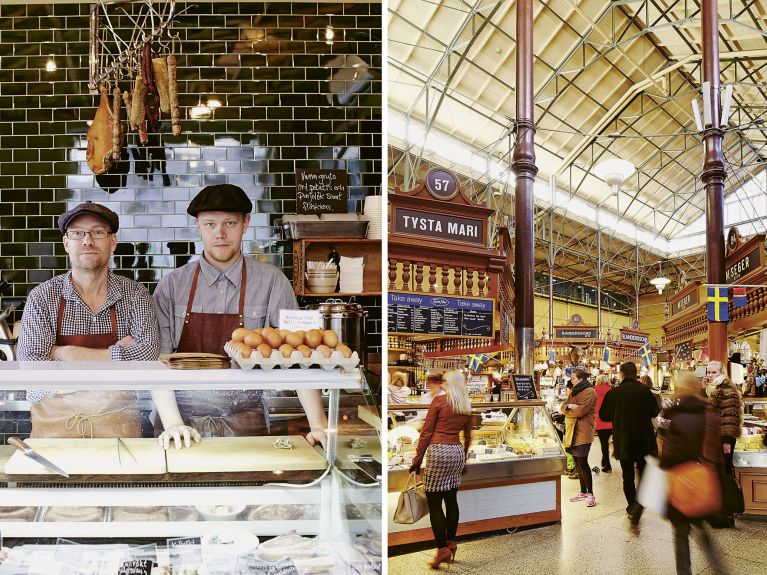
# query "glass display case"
(227, 500)
(513, 468)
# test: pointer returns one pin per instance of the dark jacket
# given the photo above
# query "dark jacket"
(630, 407)
(442, 425)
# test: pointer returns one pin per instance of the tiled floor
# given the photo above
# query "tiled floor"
(595, 541)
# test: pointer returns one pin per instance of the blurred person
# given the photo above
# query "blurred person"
(398, 389)
(443, 458)
(683, 428)
(580, 410)
(433, 389)
(630, 407)
(725, 399)
(604, 428)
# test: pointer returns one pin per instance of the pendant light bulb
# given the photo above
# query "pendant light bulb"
(50, 65)
(329, 34)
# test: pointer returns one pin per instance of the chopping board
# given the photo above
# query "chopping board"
(237, 454)
(91, 457)
(345, 450)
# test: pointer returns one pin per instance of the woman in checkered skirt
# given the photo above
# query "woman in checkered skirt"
(440, 447)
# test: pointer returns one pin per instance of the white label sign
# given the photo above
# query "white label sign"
(300, 319)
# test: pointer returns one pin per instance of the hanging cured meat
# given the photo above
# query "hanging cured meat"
(99, 150)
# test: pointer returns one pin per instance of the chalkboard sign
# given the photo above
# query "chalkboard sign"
(136, 567)
(524, 386)
(321, 192)
(250, 566)
(424, 314)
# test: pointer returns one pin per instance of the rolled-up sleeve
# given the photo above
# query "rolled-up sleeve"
(37, 335)
(163, 307)
(142, 327)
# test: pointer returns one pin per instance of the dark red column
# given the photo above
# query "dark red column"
(523, 164)
(713, 175)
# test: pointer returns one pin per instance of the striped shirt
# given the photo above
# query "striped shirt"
(135, 317)
(267, 291)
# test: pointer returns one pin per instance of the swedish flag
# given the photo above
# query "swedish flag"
(646, 354)
(717, 304)
(477, 360)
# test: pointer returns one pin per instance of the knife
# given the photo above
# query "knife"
(32, 454)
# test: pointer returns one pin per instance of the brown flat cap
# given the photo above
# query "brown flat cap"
(220, 198)
(93, 209)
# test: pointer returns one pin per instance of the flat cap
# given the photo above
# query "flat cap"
(220, 198)
(93, 209)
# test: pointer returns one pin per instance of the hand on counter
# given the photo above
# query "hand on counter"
(177, 432)
(317, 436)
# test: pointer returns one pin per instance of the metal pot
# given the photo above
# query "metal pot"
(348, 321)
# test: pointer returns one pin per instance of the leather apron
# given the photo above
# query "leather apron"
(87, 413)
(217, 413)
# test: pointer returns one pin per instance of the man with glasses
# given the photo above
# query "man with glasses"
(88, 313)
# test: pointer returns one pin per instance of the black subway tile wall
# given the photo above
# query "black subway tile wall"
(281, 108)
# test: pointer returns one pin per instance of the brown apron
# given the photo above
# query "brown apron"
(217, 413)
(87, 413)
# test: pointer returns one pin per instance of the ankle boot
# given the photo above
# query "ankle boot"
(452, 544)
(443, 555)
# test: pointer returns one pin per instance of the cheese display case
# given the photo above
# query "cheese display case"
(228, 501)
(513, 469)
(750, 461)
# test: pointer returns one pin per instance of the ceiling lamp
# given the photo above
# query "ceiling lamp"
(614, 171)
(660, 283)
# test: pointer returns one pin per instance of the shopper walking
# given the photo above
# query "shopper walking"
(443, 457)
(725, 398)
(604, 428)
(580, 411)
(682, 430)
(630, 407)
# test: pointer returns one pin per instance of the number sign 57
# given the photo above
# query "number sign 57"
(441, 183)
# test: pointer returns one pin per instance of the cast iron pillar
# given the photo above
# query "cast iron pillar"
(523, 164)
(713, 174)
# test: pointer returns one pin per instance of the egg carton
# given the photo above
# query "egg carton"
(276, 359)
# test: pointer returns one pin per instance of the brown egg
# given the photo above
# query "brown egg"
(258, 330)
(253, 339)
(313, 338)
(286, 349)
(305, 351)
(300, 333)
(294, 339)
(329, 338)
(283, 332)
(324, 350)
(266, 329)
(239, 334)
(345, 350)
(264, 349)
(273, 338)
(245, 350)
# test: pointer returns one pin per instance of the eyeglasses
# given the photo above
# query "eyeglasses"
(79, 234)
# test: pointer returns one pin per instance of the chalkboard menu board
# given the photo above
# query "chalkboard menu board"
(524, 386)
(415, 313)
(321, 192)
(136, 567)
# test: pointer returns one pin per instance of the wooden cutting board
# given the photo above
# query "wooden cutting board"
(91, 457)
(344, 450)
(239, 454)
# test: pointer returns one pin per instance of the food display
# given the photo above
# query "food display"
(84, 514)
(269, 347)
(750, 441)
(139, 514)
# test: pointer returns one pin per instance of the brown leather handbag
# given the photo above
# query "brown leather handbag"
(87, 414)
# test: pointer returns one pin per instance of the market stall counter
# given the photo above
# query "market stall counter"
(226, 498)
(750, 460)
(513, 471)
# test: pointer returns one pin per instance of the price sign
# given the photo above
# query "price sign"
(524, 386)
(185, 551)
(300, 319)
(441, 184)
(136, 567)
(250, 566)
(321, 192)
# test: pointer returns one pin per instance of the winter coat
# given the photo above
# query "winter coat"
(725, 398)
(630, 407)
(601, 392)
(682, 430)
(583, 416)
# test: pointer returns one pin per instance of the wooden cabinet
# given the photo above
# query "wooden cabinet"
(318, 250)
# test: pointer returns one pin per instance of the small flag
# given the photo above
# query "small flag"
(606, 354)
(477, 360)
(717, 303)
(552, 360)
(646, 354)
(739, 297)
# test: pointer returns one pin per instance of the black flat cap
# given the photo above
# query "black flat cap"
(93, 209)
(220, 198)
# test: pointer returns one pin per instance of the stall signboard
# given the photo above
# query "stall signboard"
(636, 338)
(735, 269)
(321, 192)
(688, 301)
(524, 386)
(410, 313)
(440, 226)
(570, 333)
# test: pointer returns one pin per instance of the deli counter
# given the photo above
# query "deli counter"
(750, 458)
(513, 472)
(222, 504)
